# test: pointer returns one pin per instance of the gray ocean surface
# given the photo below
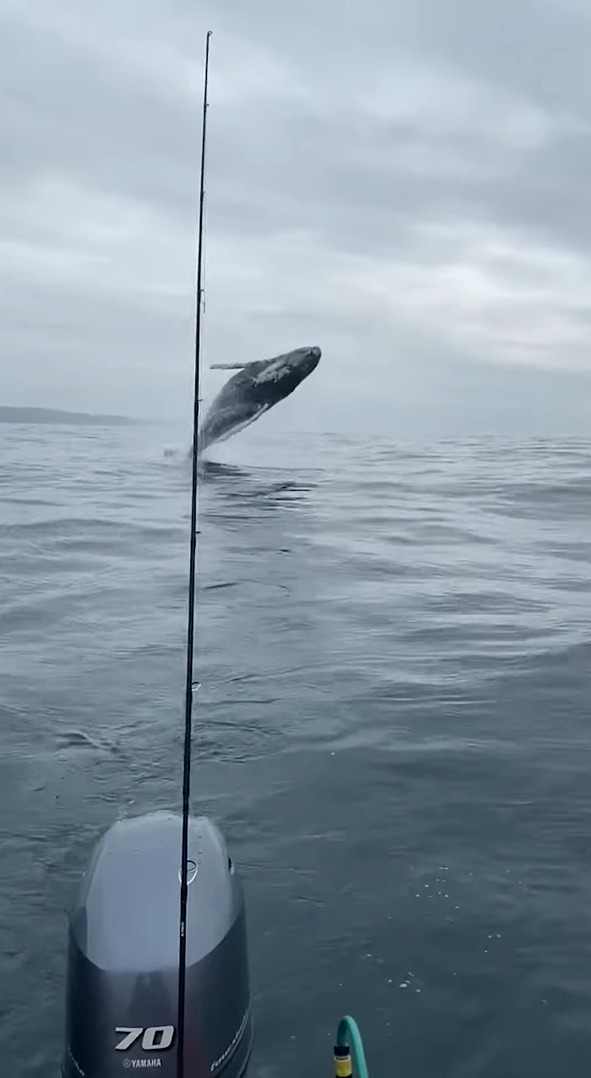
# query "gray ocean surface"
(394, 643)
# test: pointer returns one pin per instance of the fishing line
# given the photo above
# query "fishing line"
(191, 685)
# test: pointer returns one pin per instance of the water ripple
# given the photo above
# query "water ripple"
(394, 645)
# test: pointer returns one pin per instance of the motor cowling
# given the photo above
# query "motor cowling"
(122, 982)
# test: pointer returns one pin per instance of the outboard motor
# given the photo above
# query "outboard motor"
(122, 990)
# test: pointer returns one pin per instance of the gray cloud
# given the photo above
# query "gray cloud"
(404, 185)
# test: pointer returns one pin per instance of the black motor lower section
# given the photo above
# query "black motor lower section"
(121, 1006)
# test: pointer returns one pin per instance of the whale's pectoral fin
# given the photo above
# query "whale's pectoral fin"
(227, 366)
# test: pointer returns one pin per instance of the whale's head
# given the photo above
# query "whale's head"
(289, 369)
(306, 359)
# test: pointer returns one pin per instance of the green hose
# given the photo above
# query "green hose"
(348, 1036)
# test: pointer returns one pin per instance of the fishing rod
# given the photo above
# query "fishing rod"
(190, 684)
(154, 983)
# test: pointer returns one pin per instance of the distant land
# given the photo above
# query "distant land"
(51, 415)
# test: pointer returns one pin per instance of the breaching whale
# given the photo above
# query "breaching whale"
(253, 390)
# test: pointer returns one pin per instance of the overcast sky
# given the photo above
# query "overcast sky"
(406, 183)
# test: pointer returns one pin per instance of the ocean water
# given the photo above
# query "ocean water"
(394, 643)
